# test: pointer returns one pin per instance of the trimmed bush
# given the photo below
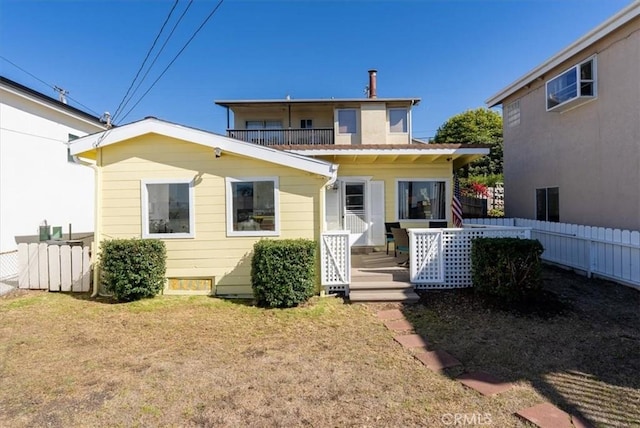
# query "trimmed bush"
(133, 269)
(283, 272)
(508, 269)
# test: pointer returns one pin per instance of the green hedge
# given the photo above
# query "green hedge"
(508, 269)
(283, 272)
(133, 269)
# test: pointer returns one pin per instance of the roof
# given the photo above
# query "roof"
(616, 21)
(231, 103)
(89, 143)
(47, 100)
(459, 154)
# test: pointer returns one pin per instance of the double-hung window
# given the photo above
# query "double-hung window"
(573, 87)
(398, 120)
(421, 200)
(167, 208)
(548, 204)
(252, 206)
(347, 121)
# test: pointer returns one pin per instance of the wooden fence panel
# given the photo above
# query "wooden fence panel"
(43, 267)
(54, 268)
(76, 268)
(34, 280)
(65, 268)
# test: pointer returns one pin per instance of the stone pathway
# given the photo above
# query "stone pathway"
(544, 415)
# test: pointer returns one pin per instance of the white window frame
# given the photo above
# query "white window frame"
(355, 120)
(145, 209)
(406, 120)
(578, 99)
(229, 207)
(447, 198)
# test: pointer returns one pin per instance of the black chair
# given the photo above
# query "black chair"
(389, 235)
(438, 224)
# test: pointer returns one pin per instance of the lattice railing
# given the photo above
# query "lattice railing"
(442, 258)
(335, 255)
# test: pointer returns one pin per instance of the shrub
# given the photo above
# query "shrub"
(283, 272)
(133, 269)
(508, 269)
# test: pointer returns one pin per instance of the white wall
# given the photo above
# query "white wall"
(36, 181)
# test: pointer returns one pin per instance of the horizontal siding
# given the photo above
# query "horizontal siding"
(211, 253)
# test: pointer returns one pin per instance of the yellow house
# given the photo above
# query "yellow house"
(211, 197)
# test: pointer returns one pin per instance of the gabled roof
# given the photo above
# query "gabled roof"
(86, 145)
(618, 20)
(40, 98)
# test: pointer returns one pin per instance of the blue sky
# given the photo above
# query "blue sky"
(453, 54)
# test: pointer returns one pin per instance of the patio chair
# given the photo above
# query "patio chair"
(389, 236)
(401, 240)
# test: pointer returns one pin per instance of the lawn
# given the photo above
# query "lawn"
(67, 360)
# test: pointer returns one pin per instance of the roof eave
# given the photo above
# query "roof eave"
(616, 21)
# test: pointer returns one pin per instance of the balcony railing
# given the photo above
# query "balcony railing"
(278, 137)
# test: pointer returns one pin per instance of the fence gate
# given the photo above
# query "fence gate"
(54, 267)
(335, 254)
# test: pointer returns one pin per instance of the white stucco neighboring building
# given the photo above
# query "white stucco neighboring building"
(37, 182)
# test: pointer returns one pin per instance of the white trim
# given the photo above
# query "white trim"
(447, 196)
(618, 20)
(220, 143)
(144, 196)
(229, 207)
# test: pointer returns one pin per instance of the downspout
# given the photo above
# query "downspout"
(96, 215)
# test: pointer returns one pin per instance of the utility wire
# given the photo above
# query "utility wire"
(158, 54)
(49, 85)
(176, 57)
(120, 106)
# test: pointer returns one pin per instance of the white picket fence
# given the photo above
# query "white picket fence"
(596, 251)
(54, 267)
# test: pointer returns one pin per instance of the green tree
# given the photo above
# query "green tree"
(479, 126)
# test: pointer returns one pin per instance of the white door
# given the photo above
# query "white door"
(355, 214)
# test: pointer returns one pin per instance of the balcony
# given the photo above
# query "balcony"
(279, 137)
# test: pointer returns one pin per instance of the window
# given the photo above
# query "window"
(548, 204)
(306, 123)
(573, 87)
(167, 209)
(422, 200)
(512, 114)
(347, 121)
(264, 124)
(398, 120)
(252, 206)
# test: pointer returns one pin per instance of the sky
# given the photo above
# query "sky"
(453, 54)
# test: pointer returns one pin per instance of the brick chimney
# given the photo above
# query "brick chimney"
(372, 84)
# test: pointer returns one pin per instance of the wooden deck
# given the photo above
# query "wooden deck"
(379, 277)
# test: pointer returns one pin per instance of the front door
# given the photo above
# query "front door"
(355, 215)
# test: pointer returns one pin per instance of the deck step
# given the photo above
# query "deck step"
(381, 285)
(390, 274)
(407, 295)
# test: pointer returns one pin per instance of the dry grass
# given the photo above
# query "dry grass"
(195, 361)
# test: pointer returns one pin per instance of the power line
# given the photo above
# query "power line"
(176, 57)
(158, 54)
(49, 85)
(145, 59)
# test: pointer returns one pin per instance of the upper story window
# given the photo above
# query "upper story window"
(512, 114)
(347, 121)
(264, 124)
(167, 208)
(306, 123)
(398, 120)
(572, 87)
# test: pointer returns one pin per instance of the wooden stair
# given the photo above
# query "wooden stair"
(386, 284)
